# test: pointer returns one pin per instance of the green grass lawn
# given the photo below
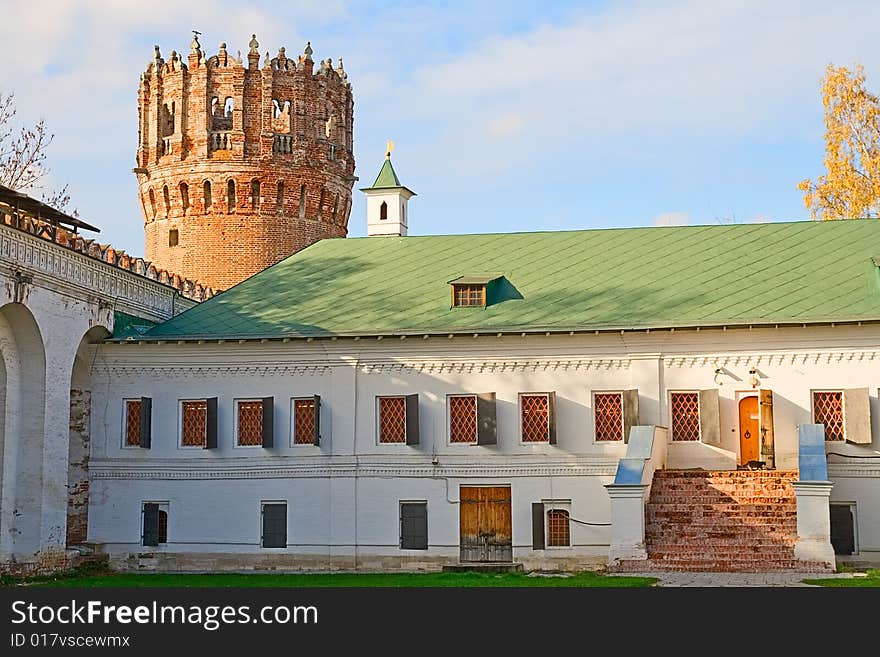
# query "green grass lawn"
(872, 579)
(79, 580)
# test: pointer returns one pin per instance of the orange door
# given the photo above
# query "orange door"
(749, 443)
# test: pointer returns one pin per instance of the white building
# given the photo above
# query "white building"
(406, 402)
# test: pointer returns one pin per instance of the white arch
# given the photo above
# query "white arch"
(24, 359)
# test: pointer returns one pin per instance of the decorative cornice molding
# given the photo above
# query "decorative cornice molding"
(376, 367)
(204, 371)
(192, 470)
(788, 358)
(75, 274)
(494, 365)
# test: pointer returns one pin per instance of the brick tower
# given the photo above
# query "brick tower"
(239, 165)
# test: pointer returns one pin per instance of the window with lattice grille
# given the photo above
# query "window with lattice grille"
(249, 423)
(304, 421)
(463, 419)
(558, 534)
(468, 295)
(132, 422)
(685, 415)
(194, 423)
(828, 410)
(535, 417)
(392, 420)
(608, 416)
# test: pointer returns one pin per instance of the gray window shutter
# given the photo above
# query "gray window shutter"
(857, 416)
(268, 421)
(487, 431)
(630, 412)
(551, 403)
(146, 422)
(274, 525)
(710, 417)
(537, 525)
(151, 524)
(316, 426)
(211, 424)
(414, 526)
(412, 419)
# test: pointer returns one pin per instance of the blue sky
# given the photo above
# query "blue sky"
(506, 115)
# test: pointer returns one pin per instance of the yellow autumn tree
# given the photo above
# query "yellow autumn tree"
(850, 187)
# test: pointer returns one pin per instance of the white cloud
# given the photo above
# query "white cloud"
(649, 69)
(671, 219)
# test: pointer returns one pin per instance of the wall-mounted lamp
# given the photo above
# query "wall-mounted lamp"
(754, 381)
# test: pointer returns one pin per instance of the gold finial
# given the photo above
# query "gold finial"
(388, 149)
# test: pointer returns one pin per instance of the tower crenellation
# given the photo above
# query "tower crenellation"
(241, 163)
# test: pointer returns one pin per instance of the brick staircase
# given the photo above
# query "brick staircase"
(721, 521)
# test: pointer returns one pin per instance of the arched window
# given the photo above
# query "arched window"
(255, 195)
(230, 196)
(557, 528)
(184, 196)
(383, 210)
(302, 202)
(227, 106)
(167, 198)
(279, 198)
(152, 203)
(206, 190)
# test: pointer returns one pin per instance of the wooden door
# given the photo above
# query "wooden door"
(485, 526)
(749, 435)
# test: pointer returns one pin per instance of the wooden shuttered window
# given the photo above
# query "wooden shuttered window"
(846, 414)
(274, 525)
(414, 525)
(211, 423)
(695, 416)
(614, 414)
(472, 419)
(307, 421)
(538, 417)
(256, 422)
(399, 419)
(150, 534)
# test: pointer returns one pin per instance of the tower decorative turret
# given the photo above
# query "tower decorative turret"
(386, 201)
(239, 165)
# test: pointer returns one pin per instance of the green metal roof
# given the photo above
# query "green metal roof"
(633, 278)
(387, 178)
(125, 325)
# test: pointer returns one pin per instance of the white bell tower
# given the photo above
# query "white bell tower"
(386, 202)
